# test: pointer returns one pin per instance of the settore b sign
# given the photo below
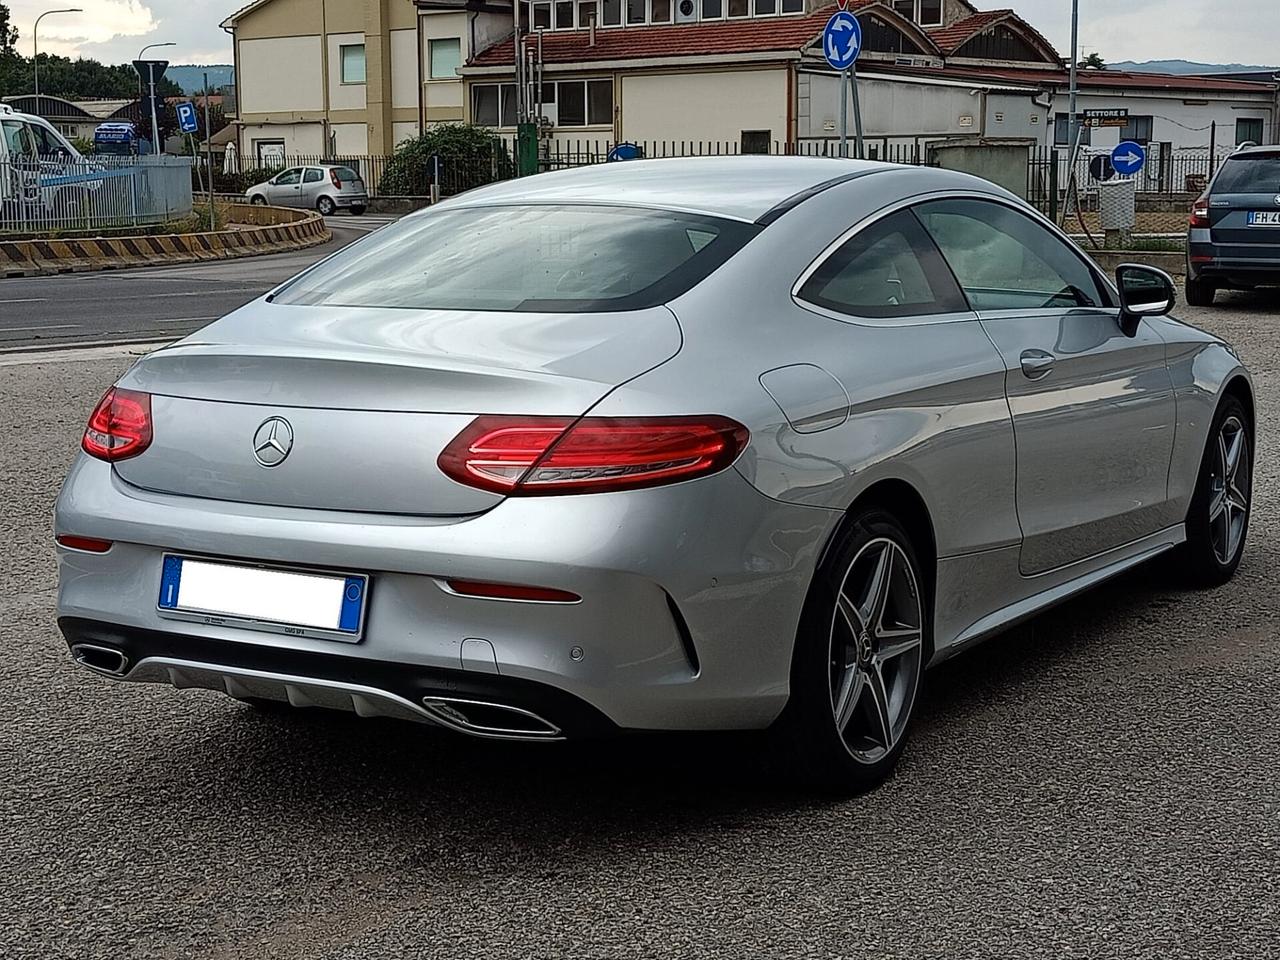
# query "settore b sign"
(1117, 117)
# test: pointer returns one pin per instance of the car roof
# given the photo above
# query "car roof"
(1256, 151)
(738, 187)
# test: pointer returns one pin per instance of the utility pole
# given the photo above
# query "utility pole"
(156, 146)
(208, 149)
(1075, 70)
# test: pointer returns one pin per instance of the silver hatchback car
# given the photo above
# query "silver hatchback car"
(719, 444)
(325, 187)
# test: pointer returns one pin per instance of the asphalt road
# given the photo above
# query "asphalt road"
(1101, 782)
(153, 301)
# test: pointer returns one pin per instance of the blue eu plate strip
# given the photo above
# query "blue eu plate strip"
(169, 580)
(352, 603)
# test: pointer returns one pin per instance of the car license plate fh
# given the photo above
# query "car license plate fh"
(1264, 218)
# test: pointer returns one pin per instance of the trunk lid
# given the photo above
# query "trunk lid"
(369, 397)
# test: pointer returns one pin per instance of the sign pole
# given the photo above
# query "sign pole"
(857, 111)
(155, 127)
(844, 118)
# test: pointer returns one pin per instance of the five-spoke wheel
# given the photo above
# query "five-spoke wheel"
(862, 646)
(1218, 520)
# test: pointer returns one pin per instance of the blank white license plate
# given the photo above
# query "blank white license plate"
(1264, 218)
(299, 603)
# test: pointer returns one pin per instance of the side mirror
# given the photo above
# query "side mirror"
(1144, 292)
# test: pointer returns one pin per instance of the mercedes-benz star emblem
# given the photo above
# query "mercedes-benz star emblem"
(273, 441)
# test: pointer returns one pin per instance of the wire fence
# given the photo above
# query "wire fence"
(42, 195)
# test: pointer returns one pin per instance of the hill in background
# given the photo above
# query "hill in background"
(1187, 66)
(190, 77)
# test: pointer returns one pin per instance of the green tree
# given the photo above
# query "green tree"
(470, 156)
(8, 32)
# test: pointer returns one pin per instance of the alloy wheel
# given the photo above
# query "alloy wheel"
(1230, 487)
(876, 646)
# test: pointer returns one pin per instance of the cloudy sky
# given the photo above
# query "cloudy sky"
(1217, 31)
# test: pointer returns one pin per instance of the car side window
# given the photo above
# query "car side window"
(47, 144)
(890, 269)
(289, 177)
(18, 138)
(313, 176)
(1004, 260)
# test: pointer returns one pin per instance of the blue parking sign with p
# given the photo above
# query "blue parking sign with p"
(187, 122)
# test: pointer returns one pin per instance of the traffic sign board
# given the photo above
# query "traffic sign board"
(1128, 158)
(1100, 168)
(842, 40)
(187, 121)
(1108, 117)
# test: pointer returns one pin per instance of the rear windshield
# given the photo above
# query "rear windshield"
(570, 258)
(1256, 173)
(346, 174)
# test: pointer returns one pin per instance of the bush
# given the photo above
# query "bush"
(470, 156)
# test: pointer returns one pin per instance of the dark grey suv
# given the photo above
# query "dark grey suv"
(1234, 240)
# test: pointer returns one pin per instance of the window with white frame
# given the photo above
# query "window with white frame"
(577, 14)
(445, 56)
(566, 103)
(351, 57)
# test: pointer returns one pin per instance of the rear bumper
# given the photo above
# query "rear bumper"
(691, 593)
(351, 200)
(1233, 264)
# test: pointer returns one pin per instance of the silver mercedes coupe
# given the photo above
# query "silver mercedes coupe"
(717, 444)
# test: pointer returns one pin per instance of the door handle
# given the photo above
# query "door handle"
(1037, 364)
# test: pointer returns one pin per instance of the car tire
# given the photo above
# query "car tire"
(1218, 518)
(1200, 293)
(326, 207)
(258, 200)
(358, 209)
(859, 659)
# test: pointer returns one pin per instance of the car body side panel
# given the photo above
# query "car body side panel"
(1201, 366)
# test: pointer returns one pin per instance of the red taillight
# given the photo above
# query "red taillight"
(333, 178)
(511, 591)
(534, 456)
(1200, 214)
(120, 425)
(87, 544)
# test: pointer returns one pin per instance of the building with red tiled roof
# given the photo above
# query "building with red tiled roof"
(320, 77)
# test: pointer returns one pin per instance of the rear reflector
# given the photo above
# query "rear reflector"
(511, 591)
(87, 544)
(536, 456)
(120, 425)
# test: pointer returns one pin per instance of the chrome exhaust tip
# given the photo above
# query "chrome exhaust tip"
(104, 660)
(484, 719)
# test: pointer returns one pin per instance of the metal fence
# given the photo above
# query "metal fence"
(47, 194)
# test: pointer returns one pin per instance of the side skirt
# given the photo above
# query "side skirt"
(996, 572)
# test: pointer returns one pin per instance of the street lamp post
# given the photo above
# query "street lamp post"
(151, 79)
(1073, 125)
(35, 45)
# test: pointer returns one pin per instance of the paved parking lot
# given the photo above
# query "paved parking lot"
(1101, 782)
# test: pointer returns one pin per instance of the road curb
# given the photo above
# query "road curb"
(270, 230)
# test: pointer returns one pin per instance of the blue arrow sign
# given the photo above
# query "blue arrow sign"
(842, 40)
(1128, 158)
(187, 122)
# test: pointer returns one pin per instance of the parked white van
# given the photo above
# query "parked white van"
(41, 174)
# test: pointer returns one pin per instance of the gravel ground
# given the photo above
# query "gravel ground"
(1100, 782)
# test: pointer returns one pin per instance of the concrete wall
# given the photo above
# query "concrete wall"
(304, 139)
(350, 139)
(1000, 162)
(404, 69)
(905, 110)
(343, 96)
(1181, 119)
(281, 75)
(704, 106)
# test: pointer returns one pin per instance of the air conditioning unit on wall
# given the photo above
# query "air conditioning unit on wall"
(687, 11)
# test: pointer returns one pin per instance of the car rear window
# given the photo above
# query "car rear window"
(563, 258)
(1253, 173)
(346, 174)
